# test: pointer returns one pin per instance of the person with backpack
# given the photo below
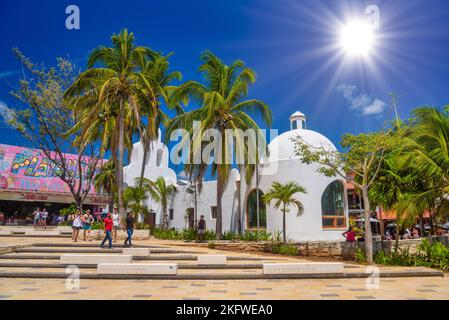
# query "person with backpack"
(129, 229)
(201, 228)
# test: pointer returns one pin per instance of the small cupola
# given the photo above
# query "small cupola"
(298, 121)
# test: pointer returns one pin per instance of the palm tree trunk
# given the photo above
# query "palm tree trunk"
(396, 247)
(368, 235)
(284, 231)
(219, 224)
(121, 205)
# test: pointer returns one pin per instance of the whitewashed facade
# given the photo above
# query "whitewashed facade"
(325, 214)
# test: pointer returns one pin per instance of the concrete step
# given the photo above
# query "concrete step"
(152, 257)
(94, 266)
(93, 244)
(91, 250)
(217, 276)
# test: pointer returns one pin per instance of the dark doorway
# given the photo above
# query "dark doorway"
(191, 215)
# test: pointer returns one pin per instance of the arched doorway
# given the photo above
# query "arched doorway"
(251, 211)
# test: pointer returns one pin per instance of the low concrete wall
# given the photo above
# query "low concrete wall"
(96, 234)
(121, 235)
(324, 249)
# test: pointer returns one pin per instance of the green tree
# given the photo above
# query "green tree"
(114, 86)
(223, 106)
(426, 149)
(44, 118)
(282, 195)
(363, 156)
(156, 71)
(105, 181)
(135, 198)
(160, 192)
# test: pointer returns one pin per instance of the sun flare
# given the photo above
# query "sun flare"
(357, 38)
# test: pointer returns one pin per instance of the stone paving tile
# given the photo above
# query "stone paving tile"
(2, 296)
(69, 292)
(425, 290)
(329, 295)
(365, 297)
(248, 293)
(142, 296)
(334, 286)
(264, 289)
(218, 291)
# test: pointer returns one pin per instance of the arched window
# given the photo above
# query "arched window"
(333, 206)
(251, 211)
(159, 157)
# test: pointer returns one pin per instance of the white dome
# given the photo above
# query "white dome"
(283, 148)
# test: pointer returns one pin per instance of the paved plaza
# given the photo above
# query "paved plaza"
(40, 255)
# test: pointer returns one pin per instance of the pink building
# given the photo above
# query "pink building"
(28, 180)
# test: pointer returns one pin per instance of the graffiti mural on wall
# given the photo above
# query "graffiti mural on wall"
(29, 169)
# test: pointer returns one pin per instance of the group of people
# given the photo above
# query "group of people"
(40, 218)
(111, 224)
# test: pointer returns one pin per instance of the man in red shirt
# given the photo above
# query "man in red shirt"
(107, 229)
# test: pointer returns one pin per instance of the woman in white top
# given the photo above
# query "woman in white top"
(77, 224)
(115, 224)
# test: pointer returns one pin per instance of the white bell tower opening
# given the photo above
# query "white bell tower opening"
(298, 121)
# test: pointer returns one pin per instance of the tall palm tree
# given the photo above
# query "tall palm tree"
(160, 192)
(105, 180)
(114, 86)
(156, 71)
(282, 195)
(223, 106)
(427, 150)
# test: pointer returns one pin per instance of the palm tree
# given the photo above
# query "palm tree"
(105, 180)
(160, 192)
(427, 152)
(135, 198)
(156, 73)
(223, 106)
(114, 86)
(282, 195)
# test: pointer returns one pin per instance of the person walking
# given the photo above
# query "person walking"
(77, 224)
(201, 228)
(129, 229)
(107, 229)
(36, 217)
(116, 224)
(44, 216)
(88, 219)
(349, 235)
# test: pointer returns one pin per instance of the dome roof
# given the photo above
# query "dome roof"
(298, 114)
(283, 148)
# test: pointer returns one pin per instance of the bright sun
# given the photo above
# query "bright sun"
(356, 38)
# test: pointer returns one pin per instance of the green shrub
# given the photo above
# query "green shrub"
(433, 255)
(211, 245)
(359, 255)
(285, 249)
(229, 235)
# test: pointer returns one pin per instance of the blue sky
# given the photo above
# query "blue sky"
(290, 44)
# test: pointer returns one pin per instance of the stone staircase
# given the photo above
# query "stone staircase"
(43, 260)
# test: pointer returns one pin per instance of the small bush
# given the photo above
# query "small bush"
(211, 245)
(285, 249)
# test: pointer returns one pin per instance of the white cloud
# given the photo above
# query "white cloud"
(7, 73)
(6, 113)
(362, 103)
